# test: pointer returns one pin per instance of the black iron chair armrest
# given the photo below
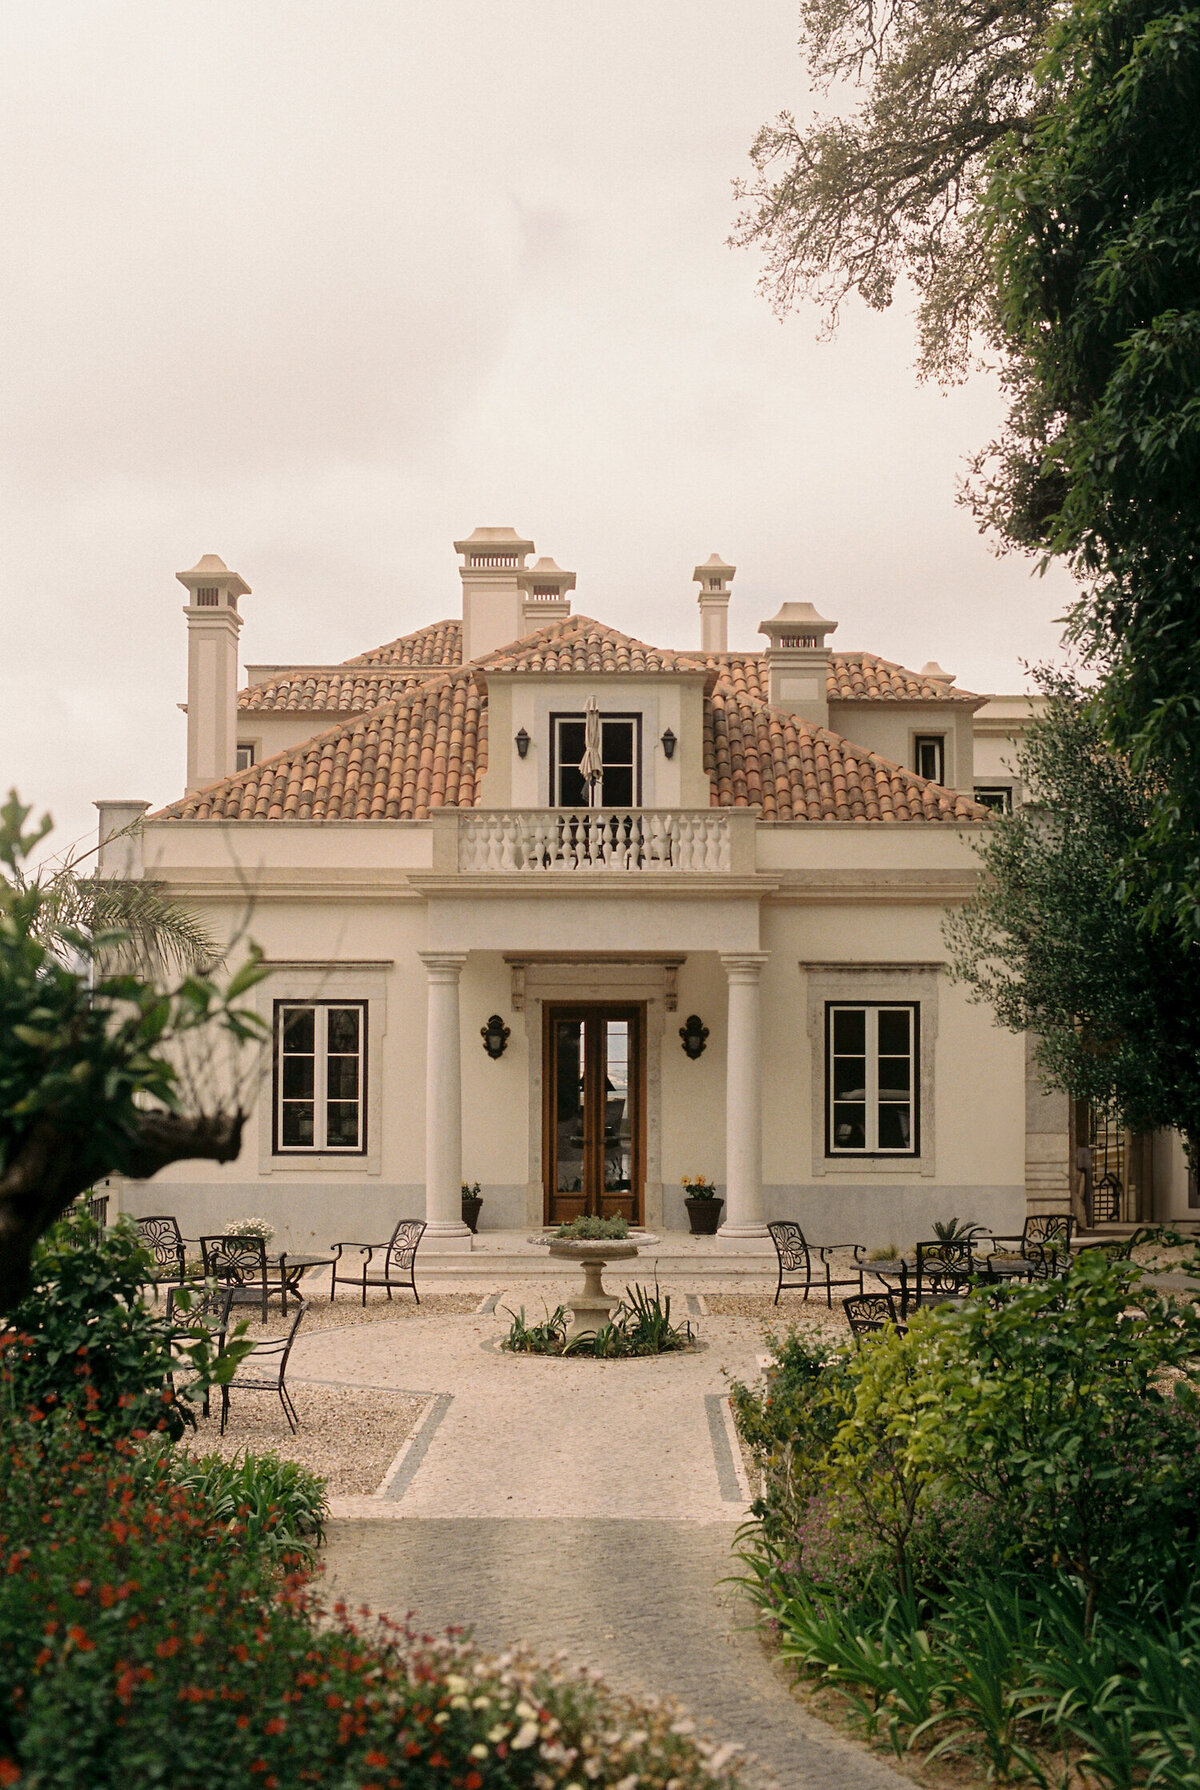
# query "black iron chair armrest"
(858, 1249)
(353, 1243)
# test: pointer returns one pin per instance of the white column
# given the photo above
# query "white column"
(443, 1104)
(744, 1216)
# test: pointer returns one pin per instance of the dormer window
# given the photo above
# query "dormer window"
(620, 783)
(929, 754)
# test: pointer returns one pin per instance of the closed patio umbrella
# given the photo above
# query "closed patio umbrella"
(591, 765)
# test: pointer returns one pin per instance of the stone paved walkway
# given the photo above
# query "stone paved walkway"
(582, 1505)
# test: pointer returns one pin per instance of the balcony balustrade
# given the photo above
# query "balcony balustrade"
(570, 839)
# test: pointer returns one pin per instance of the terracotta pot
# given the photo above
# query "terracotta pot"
(703, 1215)
(470, 1210)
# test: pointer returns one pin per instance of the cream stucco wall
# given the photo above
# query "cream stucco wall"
(891, 728)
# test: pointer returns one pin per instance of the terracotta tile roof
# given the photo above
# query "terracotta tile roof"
(853, 677)
(581, 644)
(755, 754)
(330, 690)
(423, 744)
(438, 644)
(424, 750)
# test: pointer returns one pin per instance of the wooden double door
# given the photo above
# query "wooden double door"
(593, 1078)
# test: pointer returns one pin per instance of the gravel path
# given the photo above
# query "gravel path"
(350, 1437)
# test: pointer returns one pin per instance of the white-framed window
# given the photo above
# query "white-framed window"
(929, 756)
(872, 1055)
(244, 756)
(620, 755)
(996, 796)
(320, 1077)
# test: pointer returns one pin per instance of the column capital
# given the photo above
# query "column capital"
(743, 966)
(443, 966)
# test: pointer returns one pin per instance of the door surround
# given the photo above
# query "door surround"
(625, 981)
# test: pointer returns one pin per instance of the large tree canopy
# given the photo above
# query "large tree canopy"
(100, 1072)
(849, 204)
(1094, 245)
(1053, 939)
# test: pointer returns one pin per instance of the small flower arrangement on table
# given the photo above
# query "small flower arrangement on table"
(250, 1228)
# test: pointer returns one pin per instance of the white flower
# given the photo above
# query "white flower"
(526, 1711)
(454, 1684)
(478, 1751)
(525, 1736)
(629, 1783)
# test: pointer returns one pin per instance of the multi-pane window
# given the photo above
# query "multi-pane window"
(320, 1049)
(996, 796)
(929, 756)
(871, 1079)
(620, 779)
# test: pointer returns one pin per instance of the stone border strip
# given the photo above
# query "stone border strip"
(403, 1469)
(732, 1488)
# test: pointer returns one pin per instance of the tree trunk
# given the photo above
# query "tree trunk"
(52, 1168)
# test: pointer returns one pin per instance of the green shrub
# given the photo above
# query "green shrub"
(280, 1505)
(84, 1340)
(144, 1640)
(595, 1230)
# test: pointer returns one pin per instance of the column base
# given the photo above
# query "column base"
(444, 1235)
(752, 1239)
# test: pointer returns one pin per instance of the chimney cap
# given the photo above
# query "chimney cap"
(485, 543)
(932, 670)
(544, 573)
(797, 624)
(714, 567)
(210, 568)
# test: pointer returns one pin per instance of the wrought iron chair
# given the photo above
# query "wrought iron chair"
(241, 1264)
(265, 1370)
(867, 1312)
(161, 1237)
(208, 1305)
(1044, 1242)
(795, 1257)
(398, 1268)
(945, 1270)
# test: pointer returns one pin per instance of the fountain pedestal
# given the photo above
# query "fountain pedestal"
(591, 1307)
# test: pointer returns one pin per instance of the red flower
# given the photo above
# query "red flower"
(375, 1757)
(276, 1725)
(80, 1639)
(10, 1772)
(165, 1649)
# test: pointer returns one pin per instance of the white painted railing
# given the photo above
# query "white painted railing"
(530, 839)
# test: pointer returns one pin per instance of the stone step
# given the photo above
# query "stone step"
(507, 1257)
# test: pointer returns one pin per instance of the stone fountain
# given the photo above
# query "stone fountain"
(591, 1308)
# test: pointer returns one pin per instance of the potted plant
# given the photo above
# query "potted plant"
(703, 1205)
(472, 1200)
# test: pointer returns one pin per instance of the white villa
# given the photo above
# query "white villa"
(573, 916)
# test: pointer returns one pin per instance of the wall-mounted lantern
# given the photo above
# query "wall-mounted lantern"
(522, 743)
(694, 1034)
(668, 744)
(495, 1036)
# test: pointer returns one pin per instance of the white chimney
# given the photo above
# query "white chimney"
(213, 627)
(493, 560)
(798, 661)
(120, 853)
(544, 596)
(713, 578)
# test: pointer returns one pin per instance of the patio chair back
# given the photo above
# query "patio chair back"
(795, 1261)
(265, 1370)
(1049, 1227)
(866, 1312)
(240, 1263)
(161, 1237)
(402, 1250)
(207, 1304)
(944, 1270)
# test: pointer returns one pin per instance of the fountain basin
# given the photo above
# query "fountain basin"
(591, 1307)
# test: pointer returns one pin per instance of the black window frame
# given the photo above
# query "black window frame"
(251, 748)
(832, 1152)
(634, 715)
(930, 739)
(983, 793)
(278, 1148)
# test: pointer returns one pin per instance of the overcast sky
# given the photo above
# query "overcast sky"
(320, 285)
